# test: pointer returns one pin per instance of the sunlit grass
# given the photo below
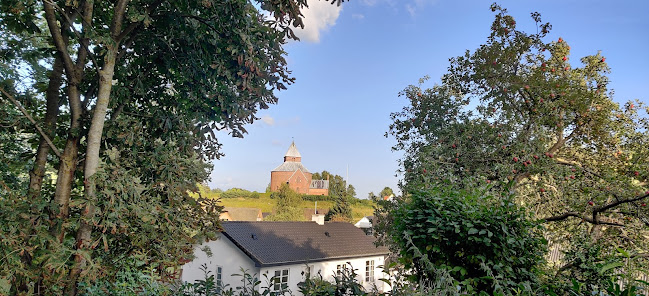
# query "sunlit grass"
(266, 204)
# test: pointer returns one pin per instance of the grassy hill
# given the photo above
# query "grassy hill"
(266, 204)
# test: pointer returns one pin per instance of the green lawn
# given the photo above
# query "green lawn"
(266, 204)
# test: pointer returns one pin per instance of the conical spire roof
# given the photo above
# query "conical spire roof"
(292, 151)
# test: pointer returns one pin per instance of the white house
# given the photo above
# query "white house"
(284, 250)
(365, 224)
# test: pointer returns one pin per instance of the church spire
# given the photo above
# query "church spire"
(292, 154)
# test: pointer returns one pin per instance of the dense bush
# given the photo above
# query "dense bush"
(308, 197)
(489, 244)
(238, 192)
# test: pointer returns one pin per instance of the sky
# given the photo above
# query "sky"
(353, 60)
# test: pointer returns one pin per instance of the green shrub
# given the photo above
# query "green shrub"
(318, 197)
(489, 244)
(238, 192)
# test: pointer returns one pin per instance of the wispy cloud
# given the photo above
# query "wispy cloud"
(319, 17)
(358, 16)
(267, 119)
(416, 5)
(369, 2)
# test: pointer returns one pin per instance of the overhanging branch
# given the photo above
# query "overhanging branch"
(583, 218)
(31, 119)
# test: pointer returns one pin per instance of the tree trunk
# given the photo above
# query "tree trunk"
(51, 114)
(92, 163)
(68, 163)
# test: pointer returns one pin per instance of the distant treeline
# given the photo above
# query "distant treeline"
(236, 193)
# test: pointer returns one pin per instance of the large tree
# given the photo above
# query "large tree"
(338, 186)
(121, 126)
(518, 116)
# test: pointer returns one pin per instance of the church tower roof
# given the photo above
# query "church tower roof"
(292, 151)
(292, 161)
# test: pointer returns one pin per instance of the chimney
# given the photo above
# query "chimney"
(318, 218)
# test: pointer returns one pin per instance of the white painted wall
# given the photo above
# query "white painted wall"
(328, 271)
(224, 254)
(227, 255)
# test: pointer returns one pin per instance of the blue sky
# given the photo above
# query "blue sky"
(353, 60)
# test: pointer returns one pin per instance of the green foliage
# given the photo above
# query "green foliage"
(239, 193)
(517, 114)
(340, 211)
(287, 207)
(318, 197)
(387, 191)
(338, 187)
(487, 243)
(589, 269)
(127, 282)
(345, 283)
(156, 141)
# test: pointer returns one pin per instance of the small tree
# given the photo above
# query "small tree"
(287, 207)
(341, 211)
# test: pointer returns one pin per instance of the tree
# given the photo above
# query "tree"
(287, 207)
(341, 211)
(123, 122)
(387, 191)
(338, 187)
(516, 116)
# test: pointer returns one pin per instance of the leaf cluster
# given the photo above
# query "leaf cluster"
(485, 242)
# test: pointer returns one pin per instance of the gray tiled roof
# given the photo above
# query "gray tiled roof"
(291, 166)
(277, 243)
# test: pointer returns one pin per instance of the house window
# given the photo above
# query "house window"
(340, 268)
(308, 270)
(219, 277)
(280, 280)
(369, 271)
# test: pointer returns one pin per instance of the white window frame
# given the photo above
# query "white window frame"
(280, 279)
(218, 277)
(340, 268)
(369, 271)
(309, 269)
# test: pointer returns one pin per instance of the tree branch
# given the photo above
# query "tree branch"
(577, 215)
(57, 37)
(619, 202)
(31, 119)
(84, 51)
(133, 26)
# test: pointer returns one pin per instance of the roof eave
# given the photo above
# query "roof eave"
(244, 250)
(321, 259)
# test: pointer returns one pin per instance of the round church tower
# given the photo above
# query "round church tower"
(292, 172)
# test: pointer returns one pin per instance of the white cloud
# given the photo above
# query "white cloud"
(414, 6)
(320, 16)
(411, 9)
(358, 16)
(369, 2)
(268, 120)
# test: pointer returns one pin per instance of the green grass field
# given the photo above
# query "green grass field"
(266, 204)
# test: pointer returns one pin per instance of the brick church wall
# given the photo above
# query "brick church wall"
(297, 181)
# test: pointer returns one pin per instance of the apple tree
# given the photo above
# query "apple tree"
(519, 115)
